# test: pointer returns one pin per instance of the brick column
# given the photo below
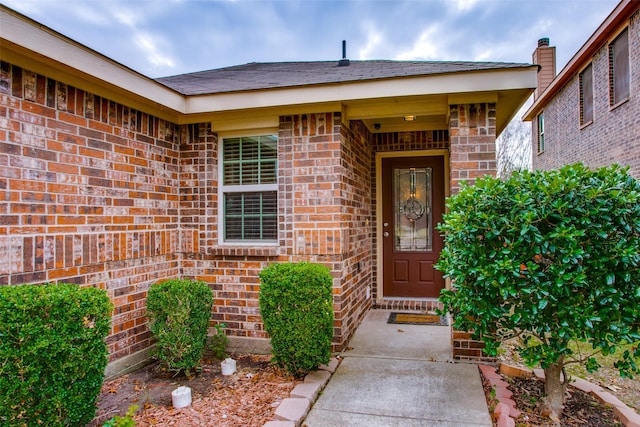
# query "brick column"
(472, 130)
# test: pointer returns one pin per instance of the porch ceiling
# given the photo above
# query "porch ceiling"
(430, 112)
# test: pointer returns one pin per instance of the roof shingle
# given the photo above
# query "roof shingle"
(270, 75)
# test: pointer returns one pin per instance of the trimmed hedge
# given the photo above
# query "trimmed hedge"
(52, 353)
(297, 309)
(179, 311)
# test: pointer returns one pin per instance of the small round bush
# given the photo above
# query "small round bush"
(297, 310)
(179, 312)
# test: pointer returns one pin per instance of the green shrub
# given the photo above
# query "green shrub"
(296, 307)
(218, 342)
(52, 353)
(552, 257)
(126, 421)
(179, 312)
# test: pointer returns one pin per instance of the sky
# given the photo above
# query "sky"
(167, 37)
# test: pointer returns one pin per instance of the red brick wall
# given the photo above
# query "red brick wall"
(99, 194)
(357, 210)
(89, 195)
(473, 155)
(96, 193)
(614, 135)
(323, 202)
(473, 143)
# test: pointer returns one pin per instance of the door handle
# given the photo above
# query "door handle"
(385, 234)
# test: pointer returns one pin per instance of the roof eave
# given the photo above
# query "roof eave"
(41, 48)
(615, 19)
(452, 83)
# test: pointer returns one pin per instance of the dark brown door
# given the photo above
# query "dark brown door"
(412, 206)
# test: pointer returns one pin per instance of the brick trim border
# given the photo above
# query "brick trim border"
(506, 412)
(293, 410)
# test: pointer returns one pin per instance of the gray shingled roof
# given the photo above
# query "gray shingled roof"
(269, 75)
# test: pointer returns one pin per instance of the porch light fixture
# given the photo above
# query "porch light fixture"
(409, 118)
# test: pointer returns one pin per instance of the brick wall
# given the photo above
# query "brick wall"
(473, 155)
(323, 202)
(473, 143)
(357, 261)
(96, 193)
(102, 195)
(89, 195)
(614, 135)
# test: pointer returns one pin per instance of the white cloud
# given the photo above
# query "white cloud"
(149, 45)
(90, 15)
(373, 39)
(125, 17)
(461, 5)
(426, 46)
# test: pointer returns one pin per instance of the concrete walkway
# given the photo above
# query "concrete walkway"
(399, 375)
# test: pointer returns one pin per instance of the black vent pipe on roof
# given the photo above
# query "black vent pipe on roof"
(344, 62)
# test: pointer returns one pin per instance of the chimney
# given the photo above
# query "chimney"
(344, 62)
(545, 57)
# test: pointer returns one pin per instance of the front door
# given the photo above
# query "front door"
(412, 206)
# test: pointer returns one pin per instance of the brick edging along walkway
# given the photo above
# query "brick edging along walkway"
(295, 408)
(505, 412)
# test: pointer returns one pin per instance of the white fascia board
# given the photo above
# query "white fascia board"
(462, 82)
(49, 44)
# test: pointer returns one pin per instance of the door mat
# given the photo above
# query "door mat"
(417, 319)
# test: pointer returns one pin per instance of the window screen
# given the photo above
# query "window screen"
(541, 133)
(586, 95)
(249, 188)
(619, 69)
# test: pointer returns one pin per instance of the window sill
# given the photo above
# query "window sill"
(613, 107)
(250, 251)
(584, 125)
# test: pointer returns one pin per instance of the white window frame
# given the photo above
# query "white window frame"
(225, 189)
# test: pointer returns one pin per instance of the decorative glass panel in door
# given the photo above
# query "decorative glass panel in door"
(412, 206)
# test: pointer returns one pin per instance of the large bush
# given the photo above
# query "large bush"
(52, 353)
(297, 310)
(179, 312)
(550, 257)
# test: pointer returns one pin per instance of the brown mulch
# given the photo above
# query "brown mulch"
(607, 377)
(249, 397)
(581, 409)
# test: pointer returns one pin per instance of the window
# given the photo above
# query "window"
(586, 95)
(541, 133)
(619, 69)
(249, 207)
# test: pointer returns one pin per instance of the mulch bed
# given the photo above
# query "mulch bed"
(581, 409)
(249, 397)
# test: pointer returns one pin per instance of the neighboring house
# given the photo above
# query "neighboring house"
(111, 179)
(590, 111)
